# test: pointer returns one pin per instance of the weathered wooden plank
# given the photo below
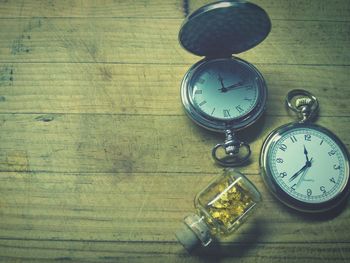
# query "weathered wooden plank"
(123, 143)
(107, 162)
(58, 251)
(80, 251)
(146, 41)
(149, 89)
(337, 10)
(90, 8)
(140, 207)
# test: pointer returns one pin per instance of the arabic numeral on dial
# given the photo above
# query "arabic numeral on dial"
(323, 189)
(293, 187)
(331, 153)
(293, 139)
(279, 160)
(336, 167)
(309, 192)
(307, 137)
(332, 180)
(282, 175)
(283, 147)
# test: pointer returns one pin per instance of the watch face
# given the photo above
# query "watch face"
(308, 163)
(224, 89)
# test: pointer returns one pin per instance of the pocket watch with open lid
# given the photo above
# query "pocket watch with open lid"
(306, 166)
(223, 93)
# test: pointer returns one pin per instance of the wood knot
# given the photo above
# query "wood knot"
(45, 118)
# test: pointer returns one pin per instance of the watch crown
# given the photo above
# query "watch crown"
(304, 101)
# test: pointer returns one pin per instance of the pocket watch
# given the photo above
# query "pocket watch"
(223, 93)
(305, 166)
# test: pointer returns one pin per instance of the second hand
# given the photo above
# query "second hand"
(304, 173)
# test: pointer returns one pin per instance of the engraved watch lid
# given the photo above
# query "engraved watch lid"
(224, 28)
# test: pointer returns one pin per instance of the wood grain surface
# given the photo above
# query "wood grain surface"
(99, 162)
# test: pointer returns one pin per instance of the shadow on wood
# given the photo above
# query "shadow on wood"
(236, 248)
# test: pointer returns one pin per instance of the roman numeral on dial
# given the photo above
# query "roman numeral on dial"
(226, 113)
(239, 109)
(202, 103)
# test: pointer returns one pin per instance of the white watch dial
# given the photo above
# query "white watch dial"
(308, 165)
(224, 89)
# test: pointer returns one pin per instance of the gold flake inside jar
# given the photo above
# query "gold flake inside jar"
(230, 204)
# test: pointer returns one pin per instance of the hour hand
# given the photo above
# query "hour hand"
(306, 153)
(223, 89)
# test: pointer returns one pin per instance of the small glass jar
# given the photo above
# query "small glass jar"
(221, 208)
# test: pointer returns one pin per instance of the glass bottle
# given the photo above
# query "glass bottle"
(221, 208)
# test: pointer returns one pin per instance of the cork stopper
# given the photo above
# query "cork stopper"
(193, 232)
(187, 238)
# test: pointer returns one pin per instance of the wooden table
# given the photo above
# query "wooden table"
(98, 161)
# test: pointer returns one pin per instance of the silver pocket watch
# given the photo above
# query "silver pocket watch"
(223, 93)
(305, 166)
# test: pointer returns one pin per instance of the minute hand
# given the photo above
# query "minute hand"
(307, 165)
(236, 86)
(298, 172)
